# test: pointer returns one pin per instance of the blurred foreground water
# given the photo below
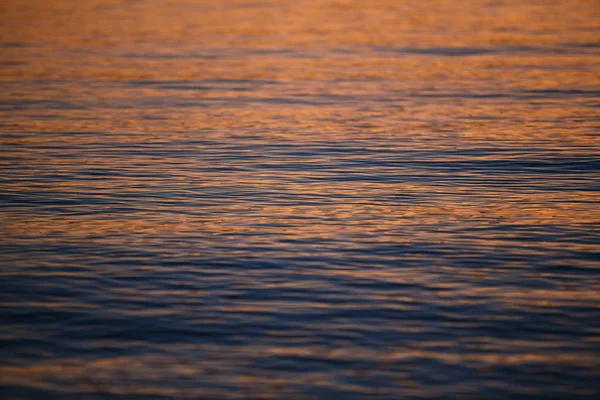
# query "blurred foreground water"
(299, 200)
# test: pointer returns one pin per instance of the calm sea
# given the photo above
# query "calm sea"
(309, 199)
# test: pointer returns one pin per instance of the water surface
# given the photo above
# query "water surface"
(297, 200)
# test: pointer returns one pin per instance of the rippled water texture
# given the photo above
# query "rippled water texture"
(299, 200)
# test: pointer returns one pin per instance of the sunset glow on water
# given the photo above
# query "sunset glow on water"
(318, 199)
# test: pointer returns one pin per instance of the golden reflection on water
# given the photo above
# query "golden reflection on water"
(401, 174)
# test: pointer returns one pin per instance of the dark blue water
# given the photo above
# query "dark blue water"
(308, 200)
